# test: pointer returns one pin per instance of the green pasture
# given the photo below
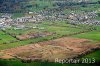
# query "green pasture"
(5, 38)
(14, 62)
(93, 35)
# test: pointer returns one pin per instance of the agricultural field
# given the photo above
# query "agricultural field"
(59, 28)
(55, 31)
(5, 38)
(49, 30)
(93, 35)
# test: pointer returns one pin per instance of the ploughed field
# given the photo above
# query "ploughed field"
(62, 48)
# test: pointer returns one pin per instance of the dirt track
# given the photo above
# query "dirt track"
(49, 50)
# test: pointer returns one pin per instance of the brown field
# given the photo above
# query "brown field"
(34, 35)
(63, 48)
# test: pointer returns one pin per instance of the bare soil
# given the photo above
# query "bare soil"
(34, 35)
(63, 48)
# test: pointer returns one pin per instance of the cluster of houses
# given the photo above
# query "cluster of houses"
(34, 18)
(75, 18)
(58, 14)
(82, 16)
(88, 22)
(7, 21)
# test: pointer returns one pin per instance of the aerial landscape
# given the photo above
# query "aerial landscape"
(49, 32)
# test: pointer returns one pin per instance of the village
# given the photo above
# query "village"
(6, 20)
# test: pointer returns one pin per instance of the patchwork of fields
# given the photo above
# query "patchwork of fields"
(60, 29)
(11, 40)
(57, 36)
